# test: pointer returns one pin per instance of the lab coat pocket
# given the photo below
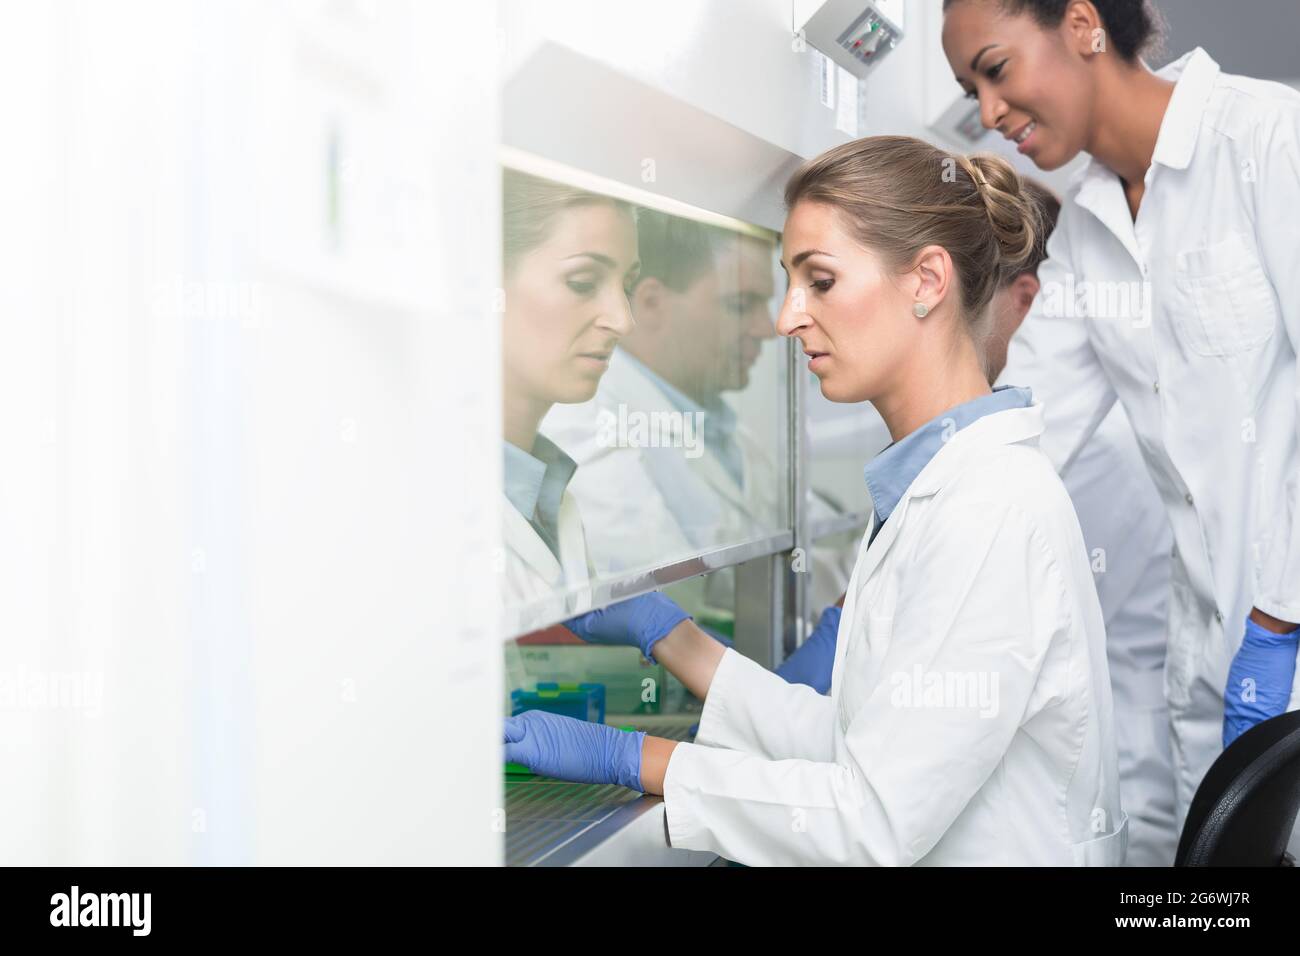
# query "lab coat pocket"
(1108, 850)
(1228, 305)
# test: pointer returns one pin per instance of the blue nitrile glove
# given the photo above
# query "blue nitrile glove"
(813, 660)
(641, 621)
(569, 749)
(1259, 681)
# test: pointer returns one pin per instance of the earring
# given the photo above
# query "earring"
(920, 310)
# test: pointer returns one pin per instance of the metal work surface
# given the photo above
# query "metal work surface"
(549, 820)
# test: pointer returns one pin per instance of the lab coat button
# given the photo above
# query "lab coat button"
(1188, 497)
(1155, 386)
(1218, 616)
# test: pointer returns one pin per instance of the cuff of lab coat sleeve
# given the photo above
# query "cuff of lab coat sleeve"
(680, 821)
(1282, 610)
(712, 731)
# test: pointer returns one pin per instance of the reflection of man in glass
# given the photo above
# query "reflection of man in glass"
(568, 259)
(703, 310)
(666, 470)
(703, 304)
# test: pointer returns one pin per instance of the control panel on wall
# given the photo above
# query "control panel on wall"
(854, 34)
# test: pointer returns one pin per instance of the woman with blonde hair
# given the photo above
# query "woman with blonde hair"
(969, 719)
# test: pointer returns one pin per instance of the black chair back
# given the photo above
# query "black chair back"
(1245, 808)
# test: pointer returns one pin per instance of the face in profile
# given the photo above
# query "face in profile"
(844, 307)
(1008, 309)
(713, 330)
(744, 311)
(567, 304)
(1032, 83)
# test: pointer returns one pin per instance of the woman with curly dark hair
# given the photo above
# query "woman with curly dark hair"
(1172, 284)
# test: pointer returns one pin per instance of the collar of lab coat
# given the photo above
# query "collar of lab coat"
(890, 473)
(719, 417)
(535, 481)
(624, 382)
(528, 546)
(1194, 74)
(1009, 427)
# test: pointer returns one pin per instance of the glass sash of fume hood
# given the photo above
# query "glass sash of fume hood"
(660, 514)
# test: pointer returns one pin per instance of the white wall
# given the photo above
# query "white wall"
(249, 495)
(731, 58)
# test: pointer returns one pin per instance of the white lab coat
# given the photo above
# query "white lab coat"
(979, 575)
(649, 506)
(1128, 540)
(531, 572)
(1206, 373)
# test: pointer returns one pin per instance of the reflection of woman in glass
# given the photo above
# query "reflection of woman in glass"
(569, 257)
